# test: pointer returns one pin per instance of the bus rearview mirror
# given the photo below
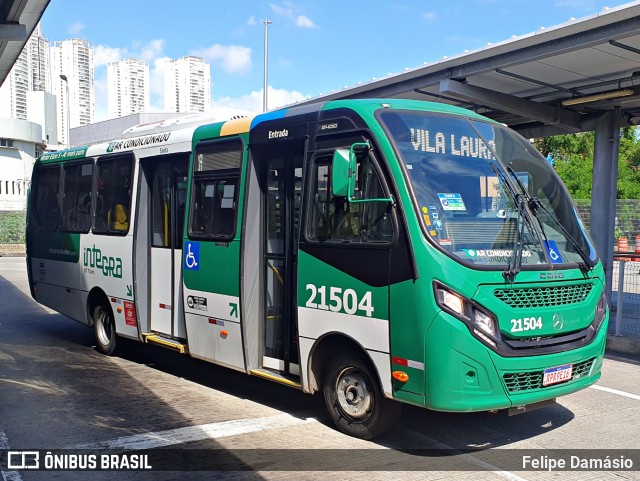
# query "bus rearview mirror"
(342, 173)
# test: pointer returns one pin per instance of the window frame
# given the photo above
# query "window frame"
(319, 158)
(63, 178)
(215, 175)
(39, 169)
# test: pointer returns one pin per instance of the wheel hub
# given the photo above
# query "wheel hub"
(104, 328)
(354, 395)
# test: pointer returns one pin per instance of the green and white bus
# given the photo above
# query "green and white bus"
(379, 251)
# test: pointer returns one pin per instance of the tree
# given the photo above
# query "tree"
(573, 160)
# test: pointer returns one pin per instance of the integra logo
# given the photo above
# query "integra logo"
(278, 134)
(110, 266)
(551, 275)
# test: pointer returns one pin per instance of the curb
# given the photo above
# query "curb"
(12, 250)
(629, 345)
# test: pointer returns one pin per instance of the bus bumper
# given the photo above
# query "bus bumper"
(464, 375)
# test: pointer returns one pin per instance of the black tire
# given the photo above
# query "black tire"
(354, 399)
(104, 328)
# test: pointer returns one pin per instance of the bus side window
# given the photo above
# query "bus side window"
(76, 197)
(334, 218)
(214, 207)
(113, 195)
(46, 197)
(214, 203)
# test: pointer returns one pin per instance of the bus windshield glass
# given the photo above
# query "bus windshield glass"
(485, 194)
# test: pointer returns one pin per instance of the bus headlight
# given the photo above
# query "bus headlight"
(480, 321)
(601, 311)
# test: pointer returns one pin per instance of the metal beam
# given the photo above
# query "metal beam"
(557, 88)
(13, 32)
(537, 131)
(508, 103)
(624, 46)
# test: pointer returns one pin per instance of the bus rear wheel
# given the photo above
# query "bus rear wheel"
(104, 328)
(354, 399)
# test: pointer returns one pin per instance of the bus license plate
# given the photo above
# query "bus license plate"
(554, 375)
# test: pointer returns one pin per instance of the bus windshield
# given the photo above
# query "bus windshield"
(485, 194)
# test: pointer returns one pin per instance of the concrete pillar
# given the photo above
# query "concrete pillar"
(604, 190)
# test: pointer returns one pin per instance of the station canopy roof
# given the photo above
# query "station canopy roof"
(18, 19)
(552, 81)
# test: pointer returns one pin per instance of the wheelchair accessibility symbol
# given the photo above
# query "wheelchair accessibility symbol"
(192, 256)
(553, 252)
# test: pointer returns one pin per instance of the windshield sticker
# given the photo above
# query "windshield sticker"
(499, 253)
(553, 251)
(451, 201)
(445, 242)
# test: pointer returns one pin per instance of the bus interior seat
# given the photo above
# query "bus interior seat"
(120, 220)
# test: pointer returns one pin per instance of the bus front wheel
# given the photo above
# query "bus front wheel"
(354, 399)
(104, 328)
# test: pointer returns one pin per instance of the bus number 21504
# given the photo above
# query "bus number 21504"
(339, 300)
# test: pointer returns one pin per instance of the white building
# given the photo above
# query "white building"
(13, 93)
(38, 58)
(20, 144)
(187, 85)
(41, 109)
(127, 87)
(73, 85)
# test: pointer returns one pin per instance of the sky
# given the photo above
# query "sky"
(315, 46)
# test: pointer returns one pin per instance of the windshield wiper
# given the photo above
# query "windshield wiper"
(534, 204)
(515, 262)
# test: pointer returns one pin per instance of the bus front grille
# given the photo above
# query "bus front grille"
(526, 381)
(544, 296)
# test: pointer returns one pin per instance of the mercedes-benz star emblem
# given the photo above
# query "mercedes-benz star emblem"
(558, 322)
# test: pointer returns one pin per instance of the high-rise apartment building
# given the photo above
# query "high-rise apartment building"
(127, 88)
(187, 85)
(38, 61)
(13, 93)
(29, 73)
(72, 79)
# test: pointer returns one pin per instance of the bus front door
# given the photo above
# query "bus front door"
(281, 187)
(168, 199)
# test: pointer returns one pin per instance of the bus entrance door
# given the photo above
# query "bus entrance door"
(168, 199)
(281, 186)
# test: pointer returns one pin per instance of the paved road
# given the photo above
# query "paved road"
(57, 392)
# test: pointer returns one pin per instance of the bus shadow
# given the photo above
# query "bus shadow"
(57, 392)
(473, 431)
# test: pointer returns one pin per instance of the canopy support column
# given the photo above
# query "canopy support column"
(604, 190)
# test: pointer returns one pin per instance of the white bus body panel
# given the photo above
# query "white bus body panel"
(207, 315)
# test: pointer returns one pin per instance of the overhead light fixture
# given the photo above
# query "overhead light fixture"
(614, 94)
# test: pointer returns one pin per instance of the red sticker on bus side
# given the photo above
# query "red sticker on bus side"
(130, 314)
